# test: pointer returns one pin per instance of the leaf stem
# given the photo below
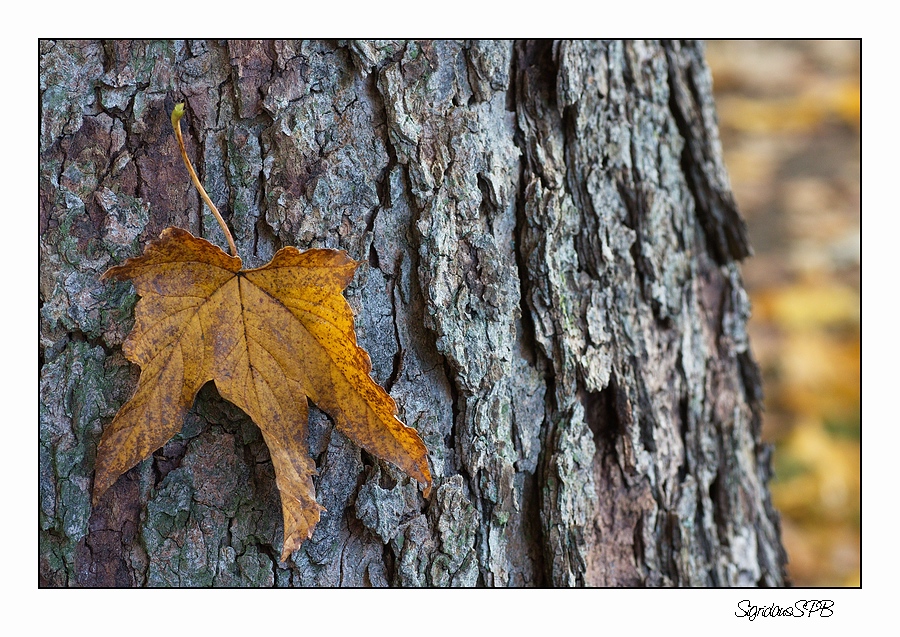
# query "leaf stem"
(177, 112)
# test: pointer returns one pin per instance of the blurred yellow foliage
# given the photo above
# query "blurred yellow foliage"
(808, 305)
(792, 114)
(818, 360)
(817, 490)
(789, 113)
(847, 103)
(823, 474)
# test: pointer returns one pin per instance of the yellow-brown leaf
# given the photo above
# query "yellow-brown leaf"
(269, 337)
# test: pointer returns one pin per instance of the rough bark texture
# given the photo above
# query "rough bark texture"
(552, 297)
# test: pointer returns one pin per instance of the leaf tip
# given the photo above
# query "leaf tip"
(111, 273)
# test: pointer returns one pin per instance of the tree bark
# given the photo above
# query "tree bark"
(552, 297)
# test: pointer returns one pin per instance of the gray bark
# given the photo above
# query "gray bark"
(552, 297)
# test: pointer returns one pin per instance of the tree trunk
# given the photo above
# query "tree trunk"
(552, 297)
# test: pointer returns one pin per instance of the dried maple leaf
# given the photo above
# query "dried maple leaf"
(269, 337)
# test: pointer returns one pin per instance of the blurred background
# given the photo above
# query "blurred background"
(789, 116)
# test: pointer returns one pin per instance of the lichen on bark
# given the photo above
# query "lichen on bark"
(552, 297)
